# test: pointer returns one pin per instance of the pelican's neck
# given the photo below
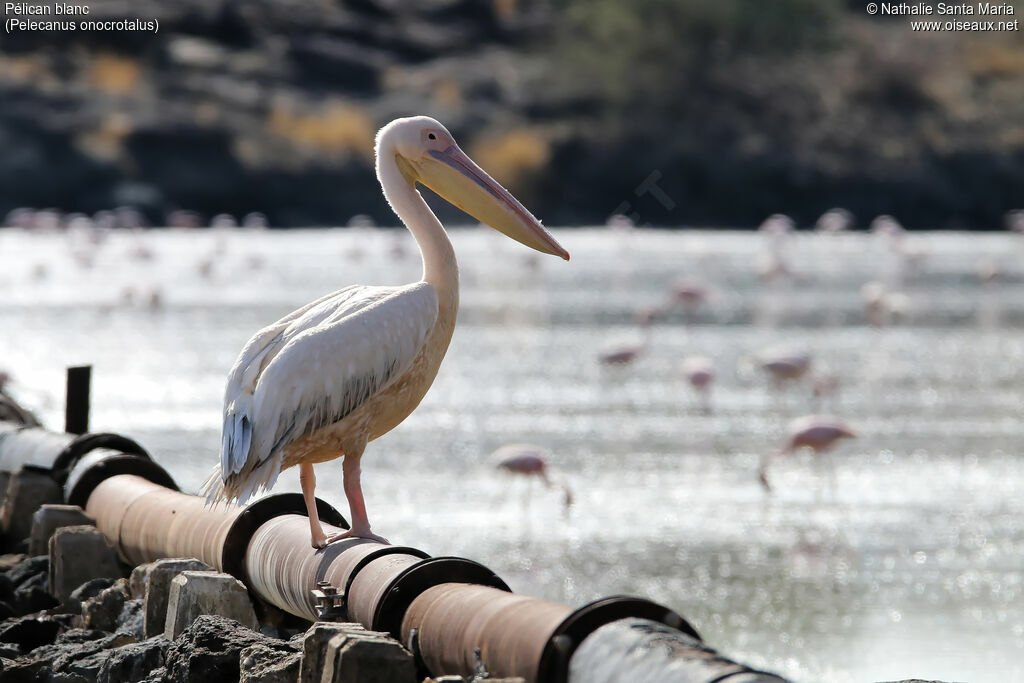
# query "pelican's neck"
(439, 266)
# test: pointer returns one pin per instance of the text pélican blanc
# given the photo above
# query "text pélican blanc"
(55, 9)
(22, 16)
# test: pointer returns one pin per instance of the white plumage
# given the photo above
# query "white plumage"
(286, 384)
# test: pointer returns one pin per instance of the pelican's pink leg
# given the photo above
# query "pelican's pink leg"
(357, 506)
(307, 480)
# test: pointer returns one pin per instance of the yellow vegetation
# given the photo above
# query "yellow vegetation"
(512, 156)
(334, 127)
(996, 61)
(448, 94)
(106, 141)
(31, 68)
(114, 74)
(506, 10)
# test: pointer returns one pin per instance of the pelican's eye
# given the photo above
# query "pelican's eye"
(431, 136)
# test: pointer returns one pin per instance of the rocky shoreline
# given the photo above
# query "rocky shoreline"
(271, 106)
(97, 635)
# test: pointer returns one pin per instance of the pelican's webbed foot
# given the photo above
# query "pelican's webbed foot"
(356, 532)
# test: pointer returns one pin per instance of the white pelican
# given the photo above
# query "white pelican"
(347, 368)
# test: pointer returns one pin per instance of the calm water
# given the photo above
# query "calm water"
(913, 567)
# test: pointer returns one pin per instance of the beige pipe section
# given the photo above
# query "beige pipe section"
(372, 582)
(510, 630)
(283, 568)
(149, 522)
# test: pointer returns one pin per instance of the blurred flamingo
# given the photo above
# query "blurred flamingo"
(785, 364)
(530, 461)
(835, 220)
(692, 294)
(816, 432)
(700, 373)
(1014, 220)
(626, 352)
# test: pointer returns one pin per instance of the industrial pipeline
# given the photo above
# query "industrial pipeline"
(455, 615)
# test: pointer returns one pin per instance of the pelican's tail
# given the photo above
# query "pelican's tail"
(239, 486)
(213, 488)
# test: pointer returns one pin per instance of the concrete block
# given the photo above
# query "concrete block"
(27, 491)
(314, 647)
(194, 593)
(79, 554)
(137, 581)
(367, 657)
(157, 581)
(48, 519)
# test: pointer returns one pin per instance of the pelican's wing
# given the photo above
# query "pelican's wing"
(257, 353)
(327, 369)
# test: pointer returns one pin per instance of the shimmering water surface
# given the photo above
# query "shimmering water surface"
(912, 567)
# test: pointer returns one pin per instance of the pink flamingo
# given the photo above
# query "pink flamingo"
(887, 226)
(784, 364)
(700, 373)
(835, 220)
(691, 294)
(777, 225)
(1015, 221)
(817, 432)
(531, 461)
(626, 353)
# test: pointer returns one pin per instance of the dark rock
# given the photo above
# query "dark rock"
(91, 589)
(33, 594)
(80, 635)
(158, 675)
(27, 568)
(29, 632)
(326, 58)
(9, 561)
(87, 666)
(210, 649)
(65, 677)
(9, 651)
(6, 587)
(72, 660)
(104, 609)
(132, 618)
(21, 669)
(134, 662)
(270, 662)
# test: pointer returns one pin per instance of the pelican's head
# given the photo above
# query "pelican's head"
(426, 153)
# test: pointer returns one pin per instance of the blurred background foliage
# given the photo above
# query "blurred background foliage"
(740, 109)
